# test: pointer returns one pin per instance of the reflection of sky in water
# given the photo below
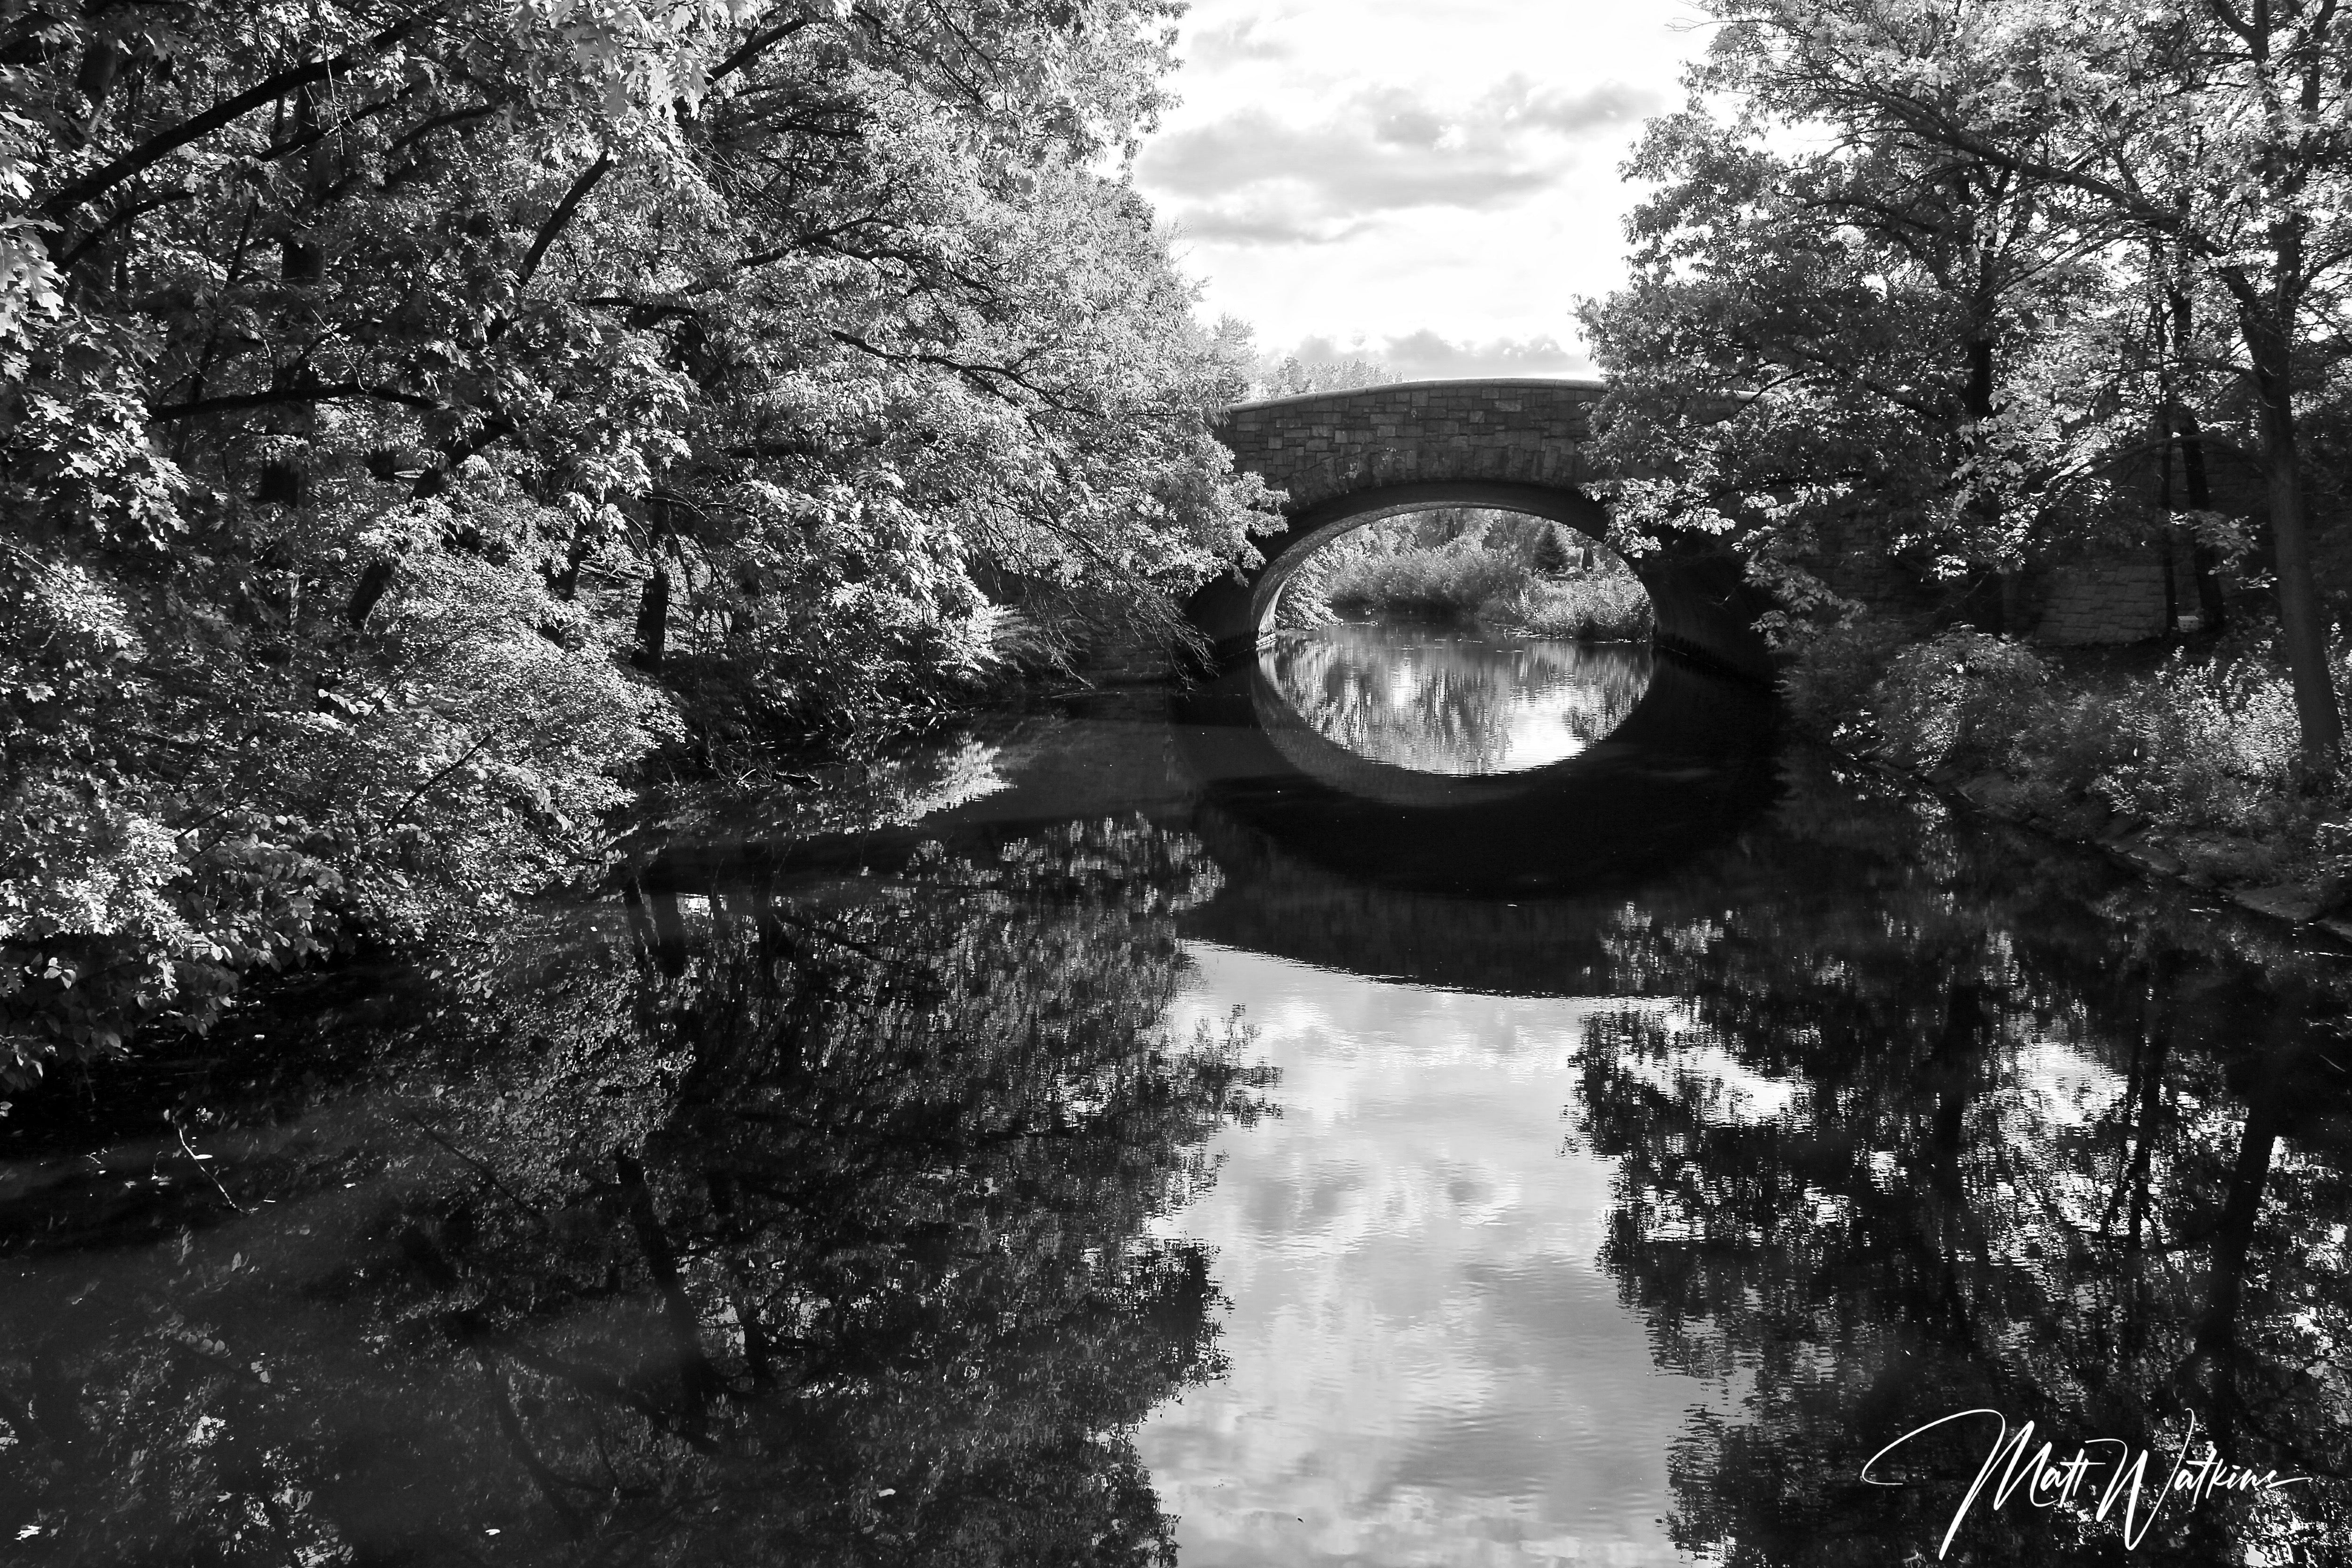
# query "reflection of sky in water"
(1428, 1364)
(1456, 703)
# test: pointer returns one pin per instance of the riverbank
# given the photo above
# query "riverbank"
(1500, 573)
(2179, 761)
(1593, 608)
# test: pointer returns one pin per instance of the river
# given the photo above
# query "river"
(1420, 1099)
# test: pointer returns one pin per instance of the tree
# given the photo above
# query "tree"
(1827, 341)
(419, 415)
(2226, 135)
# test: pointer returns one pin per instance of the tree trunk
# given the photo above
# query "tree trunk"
(696, 1381)
(2000, 611)
(2168, 539)
(652, 619)
(2270, 1097)
(2301, 626)
(299, 261)
(2212, 608)
(374, 578)
(566, 584)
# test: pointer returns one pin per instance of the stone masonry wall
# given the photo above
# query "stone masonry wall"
(2116, 598)
(1327, 444)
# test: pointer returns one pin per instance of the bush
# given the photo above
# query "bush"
(1963, 698)
(1594, 608)
(1507, 573)
(2207, 745)
(1453, 579)
(1827, 686)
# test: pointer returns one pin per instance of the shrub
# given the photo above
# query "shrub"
(1452, 579)
(2204, 743)
(2197, 743)
(1827, 684)
(1593, 608)
(1956, 699)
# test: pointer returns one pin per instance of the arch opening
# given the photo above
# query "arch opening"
(1504, 570)
(1312, 534)
(1701, 607)
(1458, 641)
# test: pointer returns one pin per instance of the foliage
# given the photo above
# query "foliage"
(1989, 316)
(1590, 608)
(1962, 697)
(1291, 377)
(1452, 579)
(1512, 574)
(2206, 740)
(415, 417)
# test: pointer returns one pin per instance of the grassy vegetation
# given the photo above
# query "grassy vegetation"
(1502, 572)
(1590, 608)
(1454, 579)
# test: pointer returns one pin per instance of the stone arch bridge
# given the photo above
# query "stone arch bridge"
(1348, 458)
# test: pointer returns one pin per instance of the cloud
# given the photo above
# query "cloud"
(1255, 177)
(1268, 224)
(1426, 356)
(1610, 105)
(1348, 167)
(1423, 355)
(1427, 1364)
(1233, 42)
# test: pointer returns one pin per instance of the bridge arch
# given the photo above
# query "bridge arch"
(1348, 458)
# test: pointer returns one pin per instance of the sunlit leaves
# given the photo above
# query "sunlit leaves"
(430, 387)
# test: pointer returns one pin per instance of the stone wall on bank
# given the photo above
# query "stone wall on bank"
(2114, 598)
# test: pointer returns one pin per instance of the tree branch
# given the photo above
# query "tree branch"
(325, 392)
(754, 47)
(984, 377)
(98, 182)
(560, 217)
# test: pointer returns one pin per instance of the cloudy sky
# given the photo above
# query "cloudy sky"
(1432, 183)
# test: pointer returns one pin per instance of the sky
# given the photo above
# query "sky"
(1431, 184)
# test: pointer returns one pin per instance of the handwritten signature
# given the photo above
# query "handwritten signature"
(2049, 1480)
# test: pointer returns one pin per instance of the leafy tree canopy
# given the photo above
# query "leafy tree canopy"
(419, 412)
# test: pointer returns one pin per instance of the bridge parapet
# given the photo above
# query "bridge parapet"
(1322, 445)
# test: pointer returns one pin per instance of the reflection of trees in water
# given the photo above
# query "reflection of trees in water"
(1456, 704)
(753, 1230)
(1948, 1147)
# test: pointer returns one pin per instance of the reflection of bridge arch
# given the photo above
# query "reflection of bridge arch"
(1358, 773)
(1688, 764)
(1348, 458)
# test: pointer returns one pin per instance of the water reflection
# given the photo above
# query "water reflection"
(778, 1225)
(1897, 1116)
(2087, 1172)
(843, 1193)
(1453, 702)
(1428, 1364)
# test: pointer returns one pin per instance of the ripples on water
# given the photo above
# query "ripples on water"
(1071, 1143)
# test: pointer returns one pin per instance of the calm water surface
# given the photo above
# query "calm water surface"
(1415, 1101)
(1452, 703)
